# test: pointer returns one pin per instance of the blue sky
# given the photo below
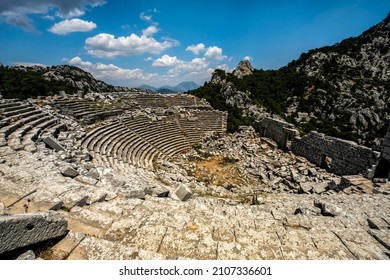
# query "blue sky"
(159, 42)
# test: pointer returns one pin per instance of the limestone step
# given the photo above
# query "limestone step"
(9, 104)
(65, 247)
(19, 111)
(92, 248)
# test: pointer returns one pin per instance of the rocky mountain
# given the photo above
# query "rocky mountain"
(185, 86)
(23, 82)
(182, 87)
(342, 90)
(148, 87)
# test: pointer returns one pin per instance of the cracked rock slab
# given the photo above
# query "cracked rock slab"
(18, 231)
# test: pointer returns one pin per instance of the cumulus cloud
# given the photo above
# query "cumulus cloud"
(248, 58)
(150, 31)
(196, 65)
(72, 25)
(78, 61)
(166, 61)
(199, 68)
(106, 45)
(196, 49)
(17, 12)
(214, 53)
(111, 71)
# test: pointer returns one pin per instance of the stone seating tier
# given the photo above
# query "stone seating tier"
(21, 125)
(16, 106)
(138, 140)
(18, 111)
(9, 104)
(107, 137)
(165, 101)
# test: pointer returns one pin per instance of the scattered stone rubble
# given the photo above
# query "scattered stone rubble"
(259, 166)
(233, 196)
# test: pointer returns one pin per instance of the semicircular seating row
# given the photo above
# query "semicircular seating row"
(22, 124)
(84, 110)
(139, 140)
(166, 100)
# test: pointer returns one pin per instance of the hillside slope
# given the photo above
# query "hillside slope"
(24, 82)
(341, 90)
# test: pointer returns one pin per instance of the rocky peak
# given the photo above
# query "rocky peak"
(244, 68)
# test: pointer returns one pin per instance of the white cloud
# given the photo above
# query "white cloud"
(106, 45)
(166, 61)
(150, 31)
(77, 61)
(145, 17)
(196, 49)
(211, 53)
(17, 12)
(214, 53)
(198, 69)
(198, 65)
(248, 58)
(111, 71)
(224, 67)
(72, 25)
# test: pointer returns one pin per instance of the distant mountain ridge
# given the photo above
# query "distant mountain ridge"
(182, 87)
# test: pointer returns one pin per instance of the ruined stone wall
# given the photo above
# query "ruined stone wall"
(273, 129)
(336, 155)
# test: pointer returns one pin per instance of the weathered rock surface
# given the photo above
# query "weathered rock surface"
(244, 68)
(183, 193)
(25, 229)
(69, 172)
(28, 255)
(52, 143)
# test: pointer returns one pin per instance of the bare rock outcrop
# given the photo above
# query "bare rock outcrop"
(244, 68)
